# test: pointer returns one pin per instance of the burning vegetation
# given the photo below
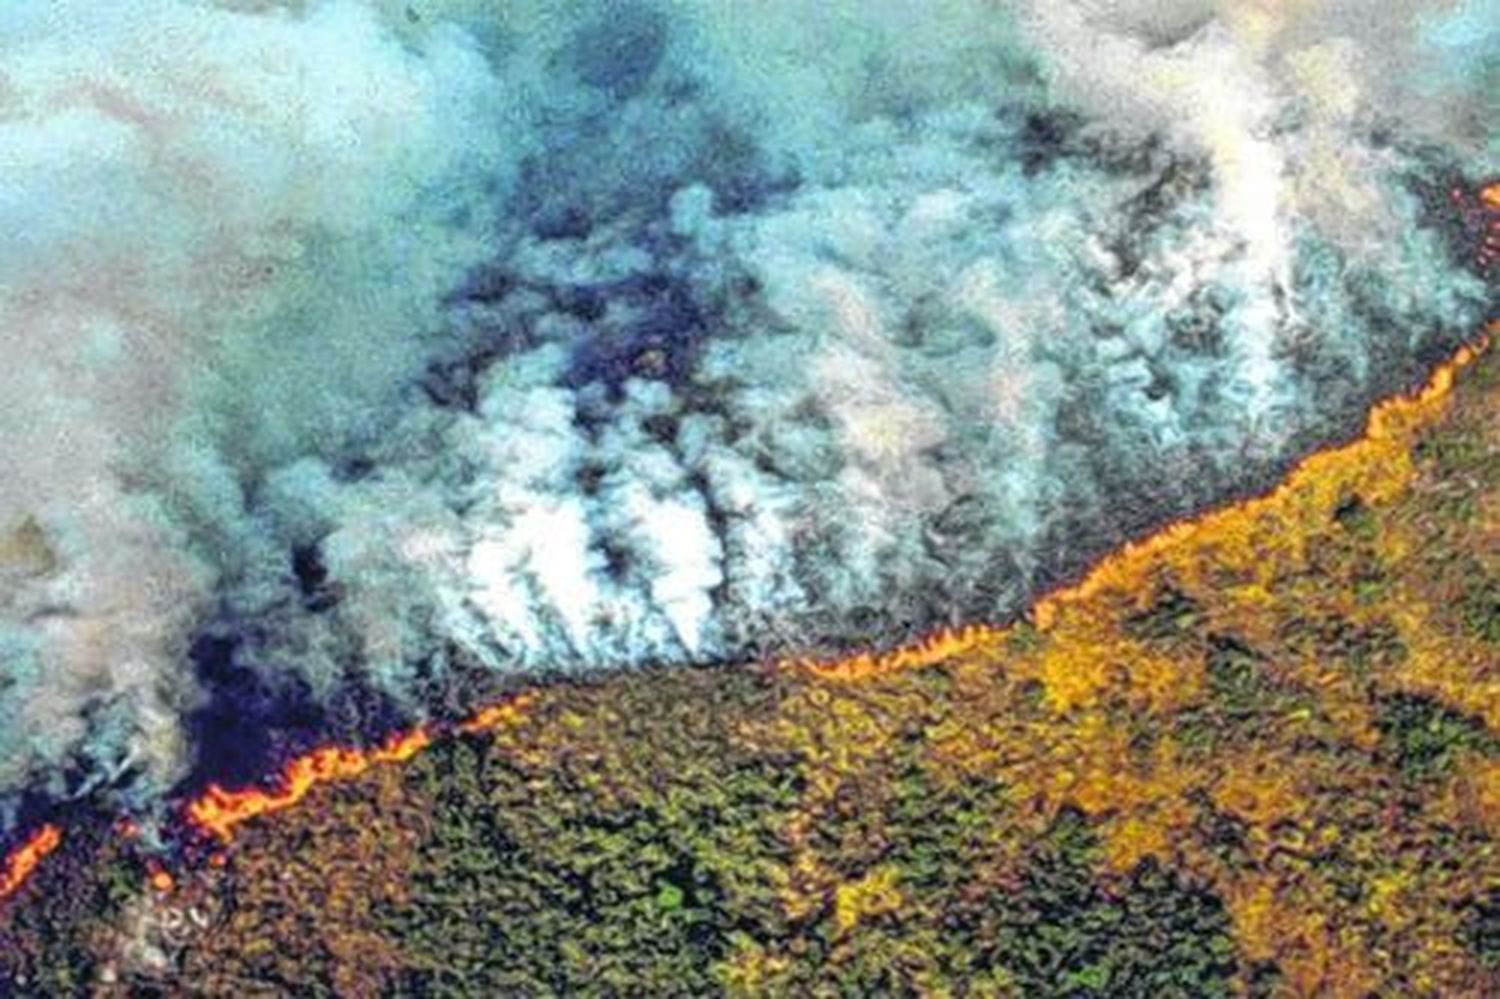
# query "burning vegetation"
(25, 858)
(1255, 754)
(218, 811)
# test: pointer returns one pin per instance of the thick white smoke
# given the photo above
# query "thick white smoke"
(390, 341)
(222, 237)
(1275, 94)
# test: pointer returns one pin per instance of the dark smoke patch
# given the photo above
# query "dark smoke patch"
(249, 724)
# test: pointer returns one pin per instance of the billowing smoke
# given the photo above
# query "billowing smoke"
(371, 347)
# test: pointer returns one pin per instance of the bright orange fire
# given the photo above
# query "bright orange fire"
(1124, 568)
(927, 651)
(1383, 431)
(218, 811)
(497, 715)
(20, 864)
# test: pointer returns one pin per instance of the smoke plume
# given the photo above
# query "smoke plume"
(355, 350)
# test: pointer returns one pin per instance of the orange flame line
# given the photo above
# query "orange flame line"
(1386, 420)
(497, 715)
(24, 860)
(218, 811)
(927, 651)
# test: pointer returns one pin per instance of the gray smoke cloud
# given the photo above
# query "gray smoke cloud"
(392, 342)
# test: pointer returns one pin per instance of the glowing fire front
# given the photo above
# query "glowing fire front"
(218, 811)
(1386, 435)
(26, 857)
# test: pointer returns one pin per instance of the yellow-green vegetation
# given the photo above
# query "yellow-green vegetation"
(1256, 757)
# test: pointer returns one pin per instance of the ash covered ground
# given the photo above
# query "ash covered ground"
(363, 355)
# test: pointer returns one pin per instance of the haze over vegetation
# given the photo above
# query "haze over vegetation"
(355, 351)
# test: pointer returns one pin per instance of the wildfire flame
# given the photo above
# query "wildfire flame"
(26, 857)
(927, 651)
(1125, 567)
(498, 715)
(161, 879)
(218, 811)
